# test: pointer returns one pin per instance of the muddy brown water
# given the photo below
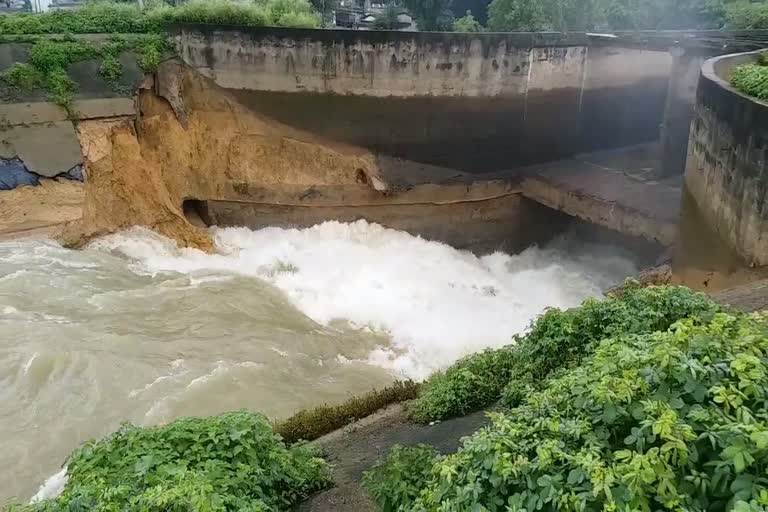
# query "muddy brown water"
(134, 329)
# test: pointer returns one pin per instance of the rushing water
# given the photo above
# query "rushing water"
(133, 328)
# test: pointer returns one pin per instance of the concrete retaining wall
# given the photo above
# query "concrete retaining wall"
(477, 102)
(727, 169)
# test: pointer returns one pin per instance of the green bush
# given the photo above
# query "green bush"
(231, 462)
(467, 23)
(746, 15)
(21, 77)
(557, 339)
(93, 18)
(469, 384)
(673, 420)
(123, 18)
(751, 79)
(310, 424)
(397, 480)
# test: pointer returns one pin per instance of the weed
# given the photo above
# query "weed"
(312, 423)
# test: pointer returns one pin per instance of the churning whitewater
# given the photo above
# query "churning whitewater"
(134, 328)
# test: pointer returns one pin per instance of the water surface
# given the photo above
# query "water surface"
(133, 328)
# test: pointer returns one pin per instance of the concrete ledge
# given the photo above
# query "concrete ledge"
(39, 112)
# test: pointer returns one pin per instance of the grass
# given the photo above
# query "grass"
(311, 424)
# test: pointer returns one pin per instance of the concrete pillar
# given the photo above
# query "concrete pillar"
(679, 110)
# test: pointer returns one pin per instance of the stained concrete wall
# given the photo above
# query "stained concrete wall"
(477, 102)
(727, 166)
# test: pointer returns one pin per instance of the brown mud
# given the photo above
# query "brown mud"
(42, 210)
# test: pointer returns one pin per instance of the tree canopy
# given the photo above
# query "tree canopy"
(580, 15)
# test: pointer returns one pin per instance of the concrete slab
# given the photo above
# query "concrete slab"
(46, 149)
(614, 189)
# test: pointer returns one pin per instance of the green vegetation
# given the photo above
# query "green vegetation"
(746, 15)
(431, 15)
(231, 462)
(469, 384)
(573, 15)
(398, 479)
(50, 58)
(558, 339)
(752, 79)
(654, 416)
(467, 23)
(389, 20)
(310, 424)
(124, 18)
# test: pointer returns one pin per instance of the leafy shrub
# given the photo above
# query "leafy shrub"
(20, 77)
(93, 18)
(467, 23)
(230, 462)
(291, 13)
(124, 18)
(469, 384)
(557, 339)
(751, 79)
(50, 58)
(746, 15)
(310, 424)
(660, 420)
(396, 481)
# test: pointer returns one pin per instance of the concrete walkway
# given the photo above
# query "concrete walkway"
(355, 448)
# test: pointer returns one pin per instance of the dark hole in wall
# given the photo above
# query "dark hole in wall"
(196, 212)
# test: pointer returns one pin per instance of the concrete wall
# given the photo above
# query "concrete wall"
(727, 166)
(477, 102)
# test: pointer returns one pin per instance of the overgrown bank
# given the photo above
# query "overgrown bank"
(126, 29)
(658, 400)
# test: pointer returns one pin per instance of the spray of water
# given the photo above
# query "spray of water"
(436, 303)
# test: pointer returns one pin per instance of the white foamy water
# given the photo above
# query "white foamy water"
(434, 302)
(133, 328)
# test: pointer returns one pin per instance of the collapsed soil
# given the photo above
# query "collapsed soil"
(41, 210)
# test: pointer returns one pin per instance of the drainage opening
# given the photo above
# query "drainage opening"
(196, 212)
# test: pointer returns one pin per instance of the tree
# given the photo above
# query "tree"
(431, 14)
(467, 23)
(746, 15)
(388, 21)
(581, 15)
(517, 15)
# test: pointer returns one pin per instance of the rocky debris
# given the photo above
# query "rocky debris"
(13, 173)
(75, 173)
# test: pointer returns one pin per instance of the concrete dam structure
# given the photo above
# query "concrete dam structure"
(477, 103)
(483, 141)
